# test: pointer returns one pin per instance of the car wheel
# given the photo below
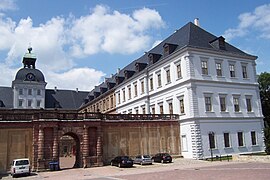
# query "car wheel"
(119, 165)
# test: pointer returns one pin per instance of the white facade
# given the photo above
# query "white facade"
(29, 95)
(214, 102)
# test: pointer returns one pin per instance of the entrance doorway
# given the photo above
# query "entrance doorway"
(69, 151)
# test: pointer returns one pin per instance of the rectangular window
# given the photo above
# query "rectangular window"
(111, 101)
(212, 143)
(253, 138)
(170, 108)
(20, 91)
(168, 76)
(143, 110)
(240, 139)
(38, 103)
(136, 111)
(208, 103)
(20, 103)
(142, 86)
(151, 83)
(236, 104)
(29, 103)
(153, 110)
(226, 140)
(129, 92)
(182, 107)
(178, 69)
(244, 71)
(232, 70)
(135, 90)
(159, 80)
(29, 91)
(218, 69)
(184, 143)
(38, 92)
(124, 95)
(161, 109)
(222, 101)
(249, 107)
(204, 68)
(118, 94)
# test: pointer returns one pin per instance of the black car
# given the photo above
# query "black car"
(162, 157)
(122, 161)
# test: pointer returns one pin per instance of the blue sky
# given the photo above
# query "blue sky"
(80, 42)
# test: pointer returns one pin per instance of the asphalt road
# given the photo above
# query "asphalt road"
(179, 169)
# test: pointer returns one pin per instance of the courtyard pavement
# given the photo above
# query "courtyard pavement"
(179, 169)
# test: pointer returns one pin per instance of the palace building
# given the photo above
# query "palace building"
(193, 95)
(209, 83)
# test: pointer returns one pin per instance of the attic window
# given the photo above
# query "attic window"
(153, 58)
(168, 48)
(219, 43)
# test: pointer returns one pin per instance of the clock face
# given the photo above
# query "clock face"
(30, 77)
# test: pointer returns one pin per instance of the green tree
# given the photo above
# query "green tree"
(264, 86)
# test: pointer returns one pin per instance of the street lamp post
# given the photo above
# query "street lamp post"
(211, 141)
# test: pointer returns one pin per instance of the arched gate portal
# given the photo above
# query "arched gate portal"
(86, 134)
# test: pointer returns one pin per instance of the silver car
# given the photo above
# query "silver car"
(20, 166)
(142, 159)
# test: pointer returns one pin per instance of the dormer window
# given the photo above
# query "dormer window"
(218, 43)
(153, 58)
(140, 66)
(119, 79)
(168, 48)
(128, 74)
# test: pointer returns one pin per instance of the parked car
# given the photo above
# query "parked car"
(122, 161)
(162, 157)
(142, 159)
(20, 166)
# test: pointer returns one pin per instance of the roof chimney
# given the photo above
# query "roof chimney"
(55, 88)
(77, 89)
(196, 22)
(118, 70)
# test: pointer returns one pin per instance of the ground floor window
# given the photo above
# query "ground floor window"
(253, 138)
(226, 140)
(211, 137)
(184, 143)
(240, 139)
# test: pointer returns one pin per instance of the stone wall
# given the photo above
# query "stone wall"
(14, 143)
(140, 138)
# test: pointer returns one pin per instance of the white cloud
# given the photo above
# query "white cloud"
(103, 30)
(60, 41)
(81, 78)
(7, 5)
(258, 20)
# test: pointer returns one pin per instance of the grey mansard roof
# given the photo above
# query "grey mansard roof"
(6, 97)
(189, 35)
(66, 99)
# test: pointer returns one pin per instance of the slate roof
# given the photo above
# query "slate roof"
(189, 35)
(6, 97)
(66, 99)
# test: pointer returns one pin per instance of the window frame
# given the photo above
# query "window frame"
(204, 67)
(208, 106)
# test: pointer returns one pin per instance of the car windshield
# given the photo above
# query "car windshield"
(146, 156)
(22, 162)
(165, 154)
(125, 157)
